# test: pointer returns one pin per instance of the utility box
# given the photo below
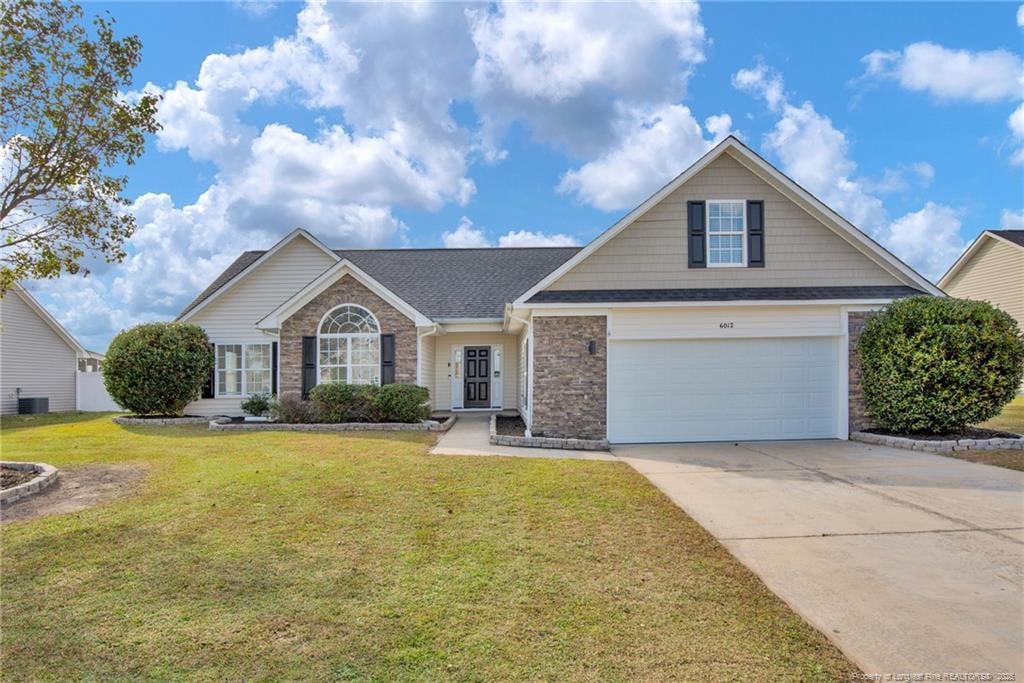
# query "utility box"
(31, 406)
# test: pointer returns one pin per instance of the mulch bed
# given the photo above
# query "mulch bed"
(509, 426)
(10, 477)
(969, 433)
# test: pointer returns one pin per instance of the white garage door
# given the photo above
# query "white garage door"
(723, 389)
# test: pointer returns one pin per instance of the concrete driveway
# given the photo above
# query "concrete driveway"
(909, 562)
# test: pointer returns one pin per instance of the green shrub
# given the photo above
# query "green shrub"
(257, 404)
(343, 402)
(401, 403)
(291, 409)
(157, 368)
(935, 365)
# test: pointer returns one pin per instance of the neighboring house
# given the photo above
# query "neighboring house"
(724, 307)
(38, 357)
(992, 270)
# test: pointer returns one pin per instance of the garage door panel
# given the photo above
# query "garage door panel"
(720, 390)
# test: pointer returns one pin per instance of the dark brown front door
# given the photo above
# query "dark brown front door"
(477, 387)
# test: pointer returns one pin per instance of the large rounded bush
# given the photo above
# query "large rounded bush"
(157, 368)
(934, 365)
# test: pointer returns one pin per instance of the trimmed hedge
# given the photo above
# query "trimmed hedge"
(934, 366)
(157, 368)
(334, 403)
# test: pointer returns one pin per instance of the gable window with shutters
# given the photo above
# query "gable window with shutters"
(726, 233)
(244, 370)
(348, 346)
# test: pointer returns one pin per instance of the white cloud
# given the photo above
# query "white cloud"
(1020, 16)
(653, 150)
(816, 154)
(465, 236)
(763, 82)
(526, 238)
(568, 68)
(950, 74)
(896, 179)
(929, 238)
(1012, 220)
(957, 75)
(256, 8)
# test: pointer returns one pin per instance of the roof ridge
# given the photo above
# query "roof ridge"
(494, 249)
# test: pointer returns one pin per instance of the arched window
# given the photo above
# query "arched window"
(349, 346)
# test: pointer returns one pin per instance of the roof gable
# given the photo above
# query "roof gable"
(245, 264)
(343, 268)
(737, 152)
(1014, 238)
(51, 322)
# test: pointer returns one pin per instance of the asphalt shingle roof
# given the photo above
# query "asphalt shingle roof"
(722, 294)
(440, 283)
(1015, 236)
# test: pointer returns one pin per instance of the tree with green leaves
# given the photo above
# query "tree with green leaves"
(65, 123)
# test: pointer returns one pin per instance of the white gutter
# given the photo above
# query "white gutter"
(528, 418)
(434, 329)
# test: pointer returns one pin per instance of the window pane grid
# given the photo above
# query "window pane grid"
(244, 369)
(726, 231)
(349, 347)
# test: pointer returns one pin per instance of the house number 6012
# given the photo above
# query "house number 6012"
(725, 326)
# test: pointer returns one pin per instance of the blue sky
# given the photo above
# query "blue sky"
(476, 125)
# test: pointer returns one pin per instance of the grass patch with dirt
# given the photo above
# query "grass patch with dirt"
(280, 555)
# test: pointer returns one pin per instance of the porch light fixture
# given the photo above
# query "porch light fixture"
(592, 347)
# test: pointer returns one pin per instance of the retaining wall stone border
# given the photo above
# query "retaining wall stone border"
(224, 424)
(46, 475)
(544, 441)
(996, 444)
(159, 421)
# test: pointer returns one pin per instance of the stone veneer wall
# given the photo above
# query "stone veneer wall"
(347, 290)
(859, 417)
(570, 386)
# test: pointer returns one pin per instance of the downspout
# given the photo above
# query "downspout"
(528, 418)
(434, 329)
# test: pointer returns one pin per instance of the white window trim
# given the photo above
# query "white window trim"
(707, 234)
(348, 336)
(245, 389)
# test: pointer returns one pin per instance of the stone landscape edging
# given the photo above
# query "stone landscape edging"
(224, 424)
(947, 446)
(544, 441)
(46, 475)
(159, 421)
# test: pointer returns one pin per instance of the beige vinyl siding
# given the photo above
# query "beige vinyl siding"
(652, 252)
(509, 370)
(34, 358)
(995, 273)
(231, 318)
(428, 363)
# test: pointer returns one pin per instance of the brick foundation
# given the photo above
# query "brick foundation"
(859, 417)
(347, 290)
(570, 385)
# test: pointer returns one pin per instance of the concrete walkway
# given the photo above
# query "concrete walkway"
(471, 436)
(909, 562)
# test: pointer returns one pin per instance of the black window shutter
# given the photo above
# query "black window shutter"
(697, 234)
(755, 234)
(308, 365)
(212, 377)
(273, 368)
(387, 359)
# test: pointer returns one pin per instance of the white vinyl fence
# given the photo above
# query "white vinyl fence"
(91, 395)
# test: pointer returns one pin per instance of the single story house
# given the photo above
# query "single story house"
(991, 269)
(724, 307)
(38, 357)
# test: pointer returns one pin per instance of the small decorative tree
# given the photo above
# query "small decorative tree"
(157, 368)
(934, 365)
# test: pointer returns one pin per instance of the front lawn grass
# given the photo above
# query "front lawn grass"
(1010, 420)
(348, 557)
